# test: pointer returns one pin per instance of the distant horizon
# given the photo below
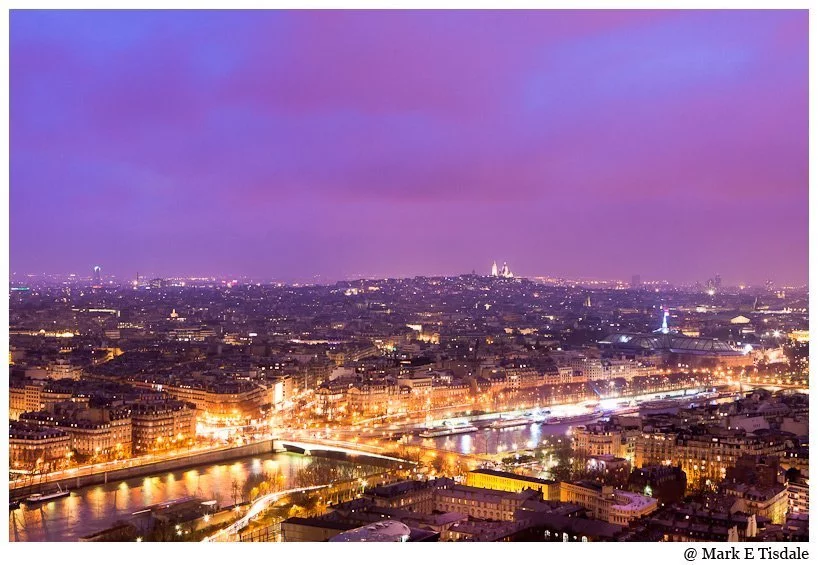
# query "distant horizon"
(327, 280)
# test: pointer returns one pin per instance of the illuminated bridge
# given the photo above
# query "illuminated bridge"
(230, 533)
(337, 446)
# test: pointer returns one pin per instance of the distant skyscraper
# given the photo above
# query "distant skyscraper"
(97, 275)
(717, 281)
(636, 281)
(494, 272)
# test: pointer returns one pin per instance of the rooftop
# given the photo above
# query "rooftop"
(507, 475)
(386, 531)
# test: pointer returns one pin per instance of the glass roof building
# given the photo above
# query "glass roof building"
(675, 347)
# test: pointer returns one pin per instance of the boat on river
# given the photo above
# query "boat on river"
(37, 497)
(576, 419)
(503, 423)
(443, 431)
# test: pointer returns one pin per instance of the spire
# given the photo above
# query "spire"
(494, 272)
(664, 329)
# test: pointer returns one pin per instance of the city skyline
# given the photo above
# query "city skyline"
(671, 144)
(144, 278)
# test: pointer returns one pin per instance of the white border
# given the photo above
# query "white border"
(365, 553)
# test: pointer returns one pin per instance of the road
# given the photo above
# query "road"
(230, 533)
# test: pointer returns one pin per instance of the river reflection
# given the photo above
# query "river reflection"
(95, 508)
(491, 441)
(497, 441)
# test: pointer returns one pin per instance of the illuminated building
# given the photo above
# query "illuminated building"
(510, 482)
(798, 493)
(444, 495)
(801, 336)
(62, 369)
(688, 350)
(607, 504)
(373, 397)
(331, 397)
(505, 272)
(95, 432)
(416, 496)
(481, 503)
(597, 440)
(770, 502)
(24, 396)
(587, 368)
(27, 395)
(200, 333)
(32, 447)
(221, 400)
(704, 458)
(162, 425)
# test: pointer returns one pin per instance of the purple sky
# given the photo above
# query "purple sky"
(292, 144)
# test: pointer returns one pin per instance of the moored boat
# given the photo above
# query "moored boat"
(576, 419)
(447, 431)
(660, 404)
(510, 423)
(40, 497)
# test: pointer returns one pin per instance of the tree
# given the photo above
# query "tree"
(235, 490)
(563, 453)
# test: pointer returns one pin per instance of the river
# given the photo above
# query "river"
(95, 508)
(491, 441)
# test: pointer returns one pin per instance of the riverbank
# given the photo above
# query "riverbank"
(120, 474)
(230, 484)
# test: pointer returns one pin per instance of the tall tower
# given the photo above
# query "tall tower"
(97, 275)
(664, 328)
(494, 271)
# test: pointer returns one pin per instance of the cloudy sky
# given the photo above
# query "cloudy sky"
(289, 145)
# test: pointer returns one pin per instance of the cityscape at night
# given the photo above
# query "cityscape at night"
(409, 276)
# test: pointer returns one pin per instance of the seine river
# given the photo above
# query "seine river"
(530, 436)
(495, 441)
(95, 508)
(492, 441)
